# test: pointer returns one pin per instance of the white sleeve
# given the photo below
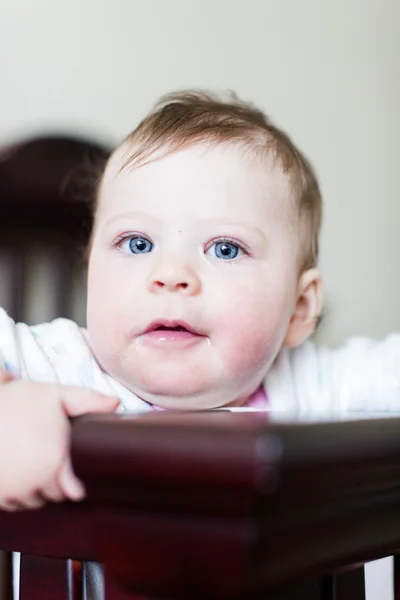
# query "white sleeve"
(58, 352)
(362, 375)
(20, 353)
(55, 352)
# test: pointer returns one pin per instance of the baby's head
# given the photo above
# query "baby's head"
(204, 252)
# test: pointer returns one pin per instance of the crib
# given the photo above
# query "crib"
(217, 505)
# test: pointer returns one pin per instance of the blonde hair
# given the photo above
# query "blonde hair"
(182, 119)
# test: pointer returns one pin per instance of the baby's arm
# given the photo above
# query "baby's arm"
(362, 375)
(35, 461)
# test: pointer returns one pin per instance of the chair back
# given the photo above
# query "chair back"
(47, 188)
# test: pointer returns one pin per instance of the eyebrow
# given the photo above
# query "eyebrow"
(217, 222)
(128, 215)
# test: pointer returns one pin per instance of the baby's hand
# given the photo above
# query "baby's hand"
(35, 463)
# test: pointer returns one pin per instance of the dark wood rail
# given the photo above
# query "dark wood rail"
(222, 505)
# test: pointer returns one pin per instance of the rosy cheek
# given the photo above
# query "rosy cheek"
(249, 350)
(104, 318)
(248, 333)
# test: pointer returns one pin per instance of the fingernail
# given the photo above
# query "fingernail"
(76, 491)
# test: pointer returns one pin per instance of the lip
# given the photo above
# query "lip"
(165, 325)
(170, 335)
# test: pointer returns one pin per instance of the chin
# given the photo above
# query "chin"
(179, 396)
(198, 402)
(168, 385)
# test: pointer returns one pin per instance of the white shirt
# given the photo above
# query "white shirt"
(362, 375)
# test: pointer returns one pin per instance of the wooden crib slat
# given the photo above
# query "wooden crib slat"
(6, 588)
(306, 590)
(344, 585)
(349, 584)
(62, 268)
(16, 285)
(43, 578)
(396, 576)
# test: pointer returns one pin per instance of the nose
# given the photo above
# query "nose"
(174, 276)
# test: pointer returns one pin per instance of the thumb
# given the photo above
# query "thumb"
(78, 401)
(70, 485)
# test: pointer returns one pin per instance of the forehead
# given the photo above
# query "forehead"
(197, 181)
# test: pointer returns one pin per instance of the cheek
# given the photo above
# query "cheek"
(100, 295)
(105, 307)
(252, 329)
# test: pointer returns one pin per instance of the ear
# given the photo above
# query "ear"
(307, 309)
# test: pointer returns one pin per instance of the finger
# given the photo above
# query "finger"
(9, 505)
(33, 501)
(78, 401)
(29, 502)
(53, 492)
(71, 486)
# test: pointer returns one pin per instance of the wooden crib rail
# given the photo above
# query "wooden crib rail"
(217, 505)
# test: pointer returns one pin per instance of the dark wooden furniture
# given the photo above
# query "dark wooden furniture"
(218, 505)
(47, 187)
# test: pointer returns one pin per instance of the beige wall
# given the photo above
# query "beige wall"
(326, 70)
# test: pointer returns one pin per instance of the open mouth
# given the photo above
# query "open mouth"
(165, 328)
(171, 326)
(163, 331)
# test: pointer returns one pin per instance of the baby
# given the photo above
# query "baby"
(203, 290)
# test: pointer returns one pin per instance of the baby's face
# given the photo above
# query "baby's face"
(192, 275)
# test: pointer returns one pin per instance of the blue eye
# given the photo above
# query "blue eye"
(135, 244)
(225, 250)
(140, 245)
